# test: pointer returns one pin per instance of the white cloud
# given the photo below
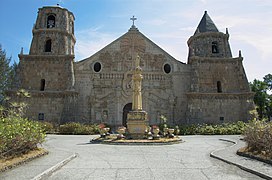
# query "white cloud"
(263, 45)
(91, 40)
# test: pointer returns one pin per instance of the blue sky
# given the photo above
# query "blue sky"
(168, 23)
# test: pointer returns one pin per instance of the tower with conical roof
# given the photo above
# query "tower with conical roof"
(207, 41)
(219, 89)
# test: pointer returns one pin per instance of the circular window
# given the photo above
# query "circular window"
(167, 68)
(97, 67)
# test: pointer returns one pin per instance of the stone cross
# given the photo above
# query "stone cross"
(133, 19)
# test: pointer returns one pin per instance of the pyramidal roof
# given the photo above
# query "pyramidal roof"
(206, 25)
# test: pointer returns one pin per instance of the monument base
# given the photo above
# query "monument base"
(136, 123)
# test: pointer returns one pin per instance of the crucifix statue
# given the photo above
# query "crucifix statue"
(133, 19)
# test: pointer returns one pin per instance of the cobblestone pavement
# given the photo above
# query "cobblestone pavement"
(188, 160)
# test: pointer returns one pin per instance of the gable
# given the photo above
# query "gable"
(119, 55)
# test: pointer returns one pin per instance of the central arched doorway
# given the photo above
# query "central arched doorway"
(126, 109)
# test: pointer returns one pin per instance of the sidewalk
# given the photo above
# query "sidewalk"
(229, 155)
(37, 166)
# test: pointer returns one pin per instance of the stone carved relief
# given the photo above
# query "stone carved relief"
(132, 42)
(157, 61)
(154, 61)
(127, 84)
(161, 103)
(107, 60)
(101, 101)
(123, 61)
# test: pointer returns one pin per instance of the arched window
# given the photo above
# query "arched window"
(42, 84)
(50, 21)
(219, 87)
(48, 44)
(215, 47)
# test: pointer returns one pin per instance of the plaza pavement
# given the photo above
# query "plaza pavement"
(73, 157)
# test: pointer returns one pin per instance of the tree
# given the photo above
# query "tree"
(268, 80)
(7, 73)
(262, 99)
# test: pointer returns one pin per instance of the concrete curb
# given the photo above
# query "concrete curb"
(254, 157)
(24, 161)
(54, 168)
(213, 155)
(135, 143)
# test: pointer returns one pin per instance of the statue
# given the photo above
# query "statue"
(137, 118)
(137, 61)
(137, 86)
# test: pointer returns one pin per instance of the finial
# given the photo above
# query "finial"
(205, 12)
(133, 19)
(240, 53)
(227, 31)
(22, 50)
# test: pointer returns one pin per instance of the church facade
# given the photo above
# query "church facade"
(211, 87)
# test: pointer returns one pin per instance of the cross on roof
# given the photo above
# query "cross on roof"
(133, 19)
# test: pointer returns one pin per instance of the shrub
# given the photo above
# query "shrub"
(207, 129)
(188, 129)
(47, 127)
(258, 135)
(77, 128)
(19, 135)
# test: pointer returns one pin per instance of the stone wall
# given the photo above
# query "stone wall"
(218, 108)
(207, 72)
(54, 107)
(201, 45)
(55, 70)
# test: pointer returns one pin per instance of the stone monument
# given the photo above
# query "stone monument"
(137, 118)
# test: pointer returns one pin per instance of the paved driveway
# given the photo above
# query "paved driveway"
(188, 160)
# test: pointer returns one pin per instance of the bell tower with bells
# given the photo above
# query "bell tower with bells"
(49, 63)
(48, 70)
(53, 32)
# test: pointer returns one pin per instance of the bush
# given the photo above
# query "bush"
(207, 129)
(48, 127)
(258, 135)
(77, 128)
(188, 129)
(19, 135)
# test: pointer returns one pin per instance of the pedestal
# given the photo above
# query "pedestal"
(136, 123)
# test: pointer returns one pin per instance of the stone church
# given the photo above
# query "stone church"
(211, 87)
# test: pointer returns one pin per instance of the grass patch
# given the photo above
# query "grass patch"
(13, 161)
(260, 156)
